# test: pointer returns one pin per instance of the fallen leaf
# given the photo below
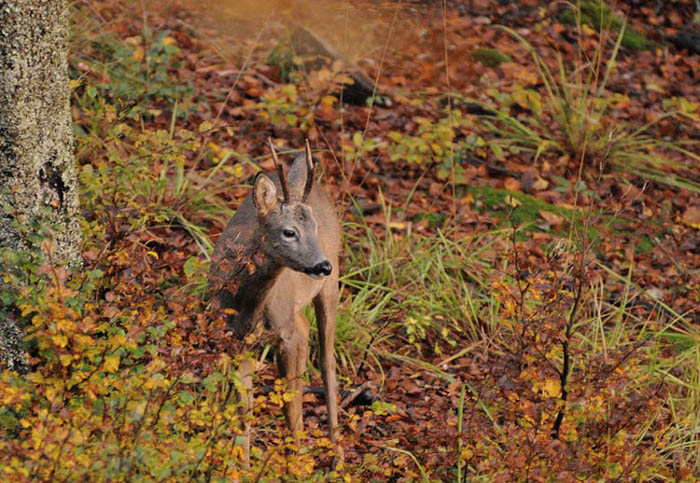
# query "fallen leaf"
(540, 184)
(691, 217)
(551, 218)
(435, 188)
(512, 201)
(512, 184)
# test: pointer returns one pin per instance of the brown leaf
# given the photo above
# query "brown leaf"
(691, 217)
(551, 218)
(512, 184)
(110, 311)
(435, 188)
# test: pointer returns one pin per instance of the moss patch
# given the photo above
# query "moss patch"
(490, 57)
(435, 220)
(597, 15)
(282, 57)
(527, 218)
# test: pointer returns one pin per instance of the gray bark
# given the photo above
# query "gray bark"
(38, 183)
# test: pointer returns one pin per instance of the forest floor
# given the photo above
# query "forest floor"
(520, 272)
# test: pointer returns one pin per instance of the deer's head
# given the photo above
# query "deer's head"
(289, 230)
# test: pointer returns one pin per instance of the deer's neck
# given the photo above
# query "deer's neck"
(257, 283)
(256, 278)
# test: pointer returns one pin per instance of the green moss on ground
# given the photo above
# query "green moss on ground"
(282, 57)
(490, 57)
(598, 15)
(526, 216)
(435, 220)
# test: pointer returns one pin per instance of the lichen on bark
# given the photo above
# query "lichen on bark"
(37, 173)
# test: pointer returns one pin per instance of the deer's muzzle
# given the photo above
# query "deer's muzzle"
(322, 269)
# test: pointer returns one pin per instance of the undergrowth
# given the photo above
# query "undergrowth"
(573, 118)
(115, 388)
(566, 367)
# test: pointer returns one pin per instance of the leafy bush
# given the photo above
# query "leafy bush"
(307, 99)
(116, 389)
(430, 143)
(575, 391)
(153, 186)
(138, 70)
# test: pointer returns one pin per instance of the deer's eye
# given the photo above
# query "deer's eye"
(288, 233)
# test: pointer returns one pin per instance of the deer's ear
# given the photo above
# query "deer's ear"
(264, 195)
(301, 176)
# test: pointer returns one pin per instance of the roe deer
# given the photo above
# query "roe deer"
(289, 247)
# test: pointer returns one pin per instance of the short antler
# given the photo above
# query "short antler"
(309, 171)
(280, 171)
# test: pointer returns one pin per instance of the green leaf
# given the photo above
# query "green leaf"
(191, 267)
(186, 397)
(205, 126)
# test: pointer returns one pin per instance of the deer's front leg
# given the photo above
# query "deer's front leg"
(326, 306)
(292, 354)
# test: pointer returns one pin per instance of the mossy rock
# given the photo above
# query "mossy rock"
(490, 57)
(598, 15)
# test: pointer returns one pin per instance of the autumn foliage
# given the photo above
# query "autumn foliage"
(519, 273)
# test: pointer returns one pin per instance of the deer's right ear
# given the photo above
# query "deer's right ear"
(264, 194)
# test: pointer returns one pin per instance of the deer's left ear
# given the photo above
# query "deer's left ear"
(264, 195)
(301, 176)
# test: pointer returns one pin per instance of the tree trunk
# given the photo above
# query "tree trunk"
(38, 185)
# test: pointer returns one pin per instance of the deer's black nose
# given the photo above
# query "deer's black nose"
(324, 268)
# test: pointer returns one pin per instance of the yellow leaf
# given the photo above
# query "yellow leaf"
(117, 341)
(587, 30)
(111, 363)
(512, 201)
(65, 325)
(540, 184)
(397, 225)
(467, 453)
(66, 359)
(327, 102)
(551, 387)
(467, 200)
(138, 54)
(59, 340)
